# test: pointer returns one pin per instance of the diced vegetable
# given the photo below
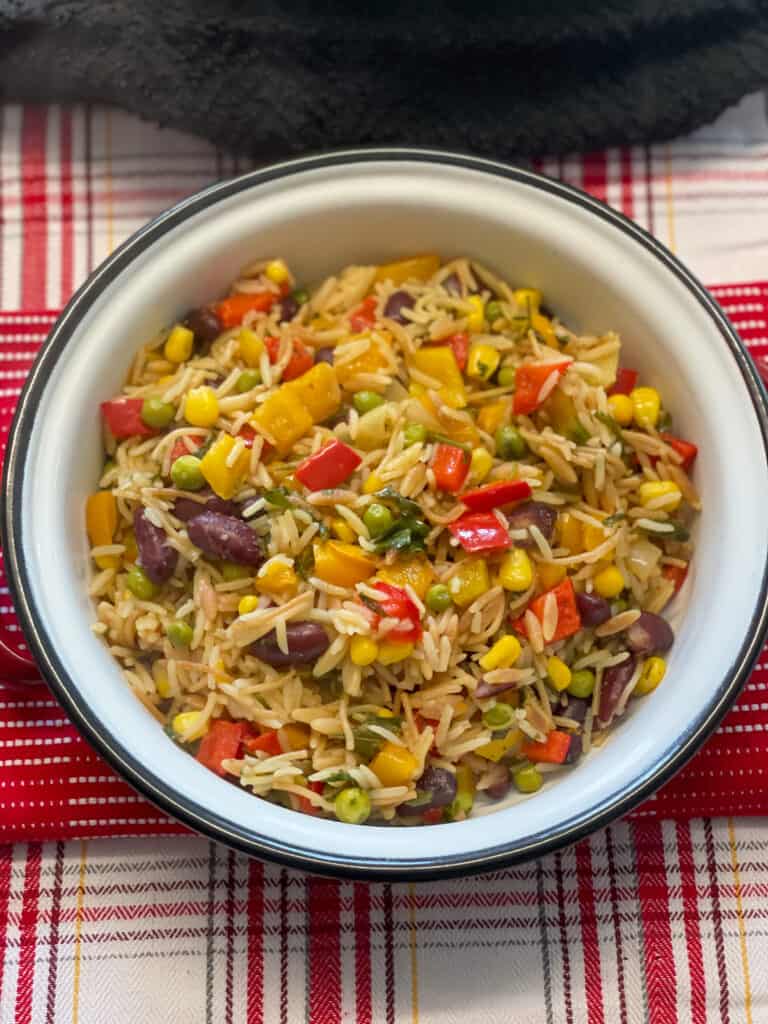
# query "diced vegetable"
(201, 407)
(394, 603)
(123, 417)
(220, 743)
(529, 382)
(450, 466)
(496, 495)
(373, 360)
(224, 480)
(439, 363)
(482, 361)
(363, 650)
(251, 346)
(480, 531)
(469, 582)
(494, 750)
(364, 317)
(329, 467)
(553, 751)
(516, 571)
(568, 618)
(476, 314)
(493, 415)
(279, 580)
(285, 417)
(101, 523)
(394, 765)
(676, 573)
(621, 408)
(390, 653)
(652, 673)
(460, 346)
(652, 490)
(417, 268)
(647, 406)
(684, 449)
(503, 654)
(480, 465)
(342, 564)
(268, 743)
(416, 572)
(626, 381)
(609, 582)
(230, 311)
(318, 390)
(558, 672)
(300, 362)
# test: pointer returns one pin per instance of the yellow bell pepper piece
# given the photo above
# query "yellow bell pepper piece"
(224, 480)
(394, 765)
(370, 361)
(251, 346)
(417, 268)
(550, 574)
(494, 415)
(569, 533)
(476, 314)
(318, 389)
(279, 580)
(496, 749)
(591, 536)
(343, 530)
(416, 572)
(480, 465)
(470, 582)
(294, 736)
(439, 362)
(342, 564)
(389, 653)
(284, 417)
(543, 327)
(527, 299)
(482, 361)
(101, 523)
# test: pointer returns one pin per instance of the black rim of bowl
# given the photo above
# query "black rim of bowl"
(206, 820)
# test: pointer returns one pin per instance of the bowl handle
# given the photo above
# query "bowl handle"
(15, 666)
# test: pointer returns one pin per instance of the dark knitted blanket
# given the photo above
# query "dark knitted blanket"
(269, 79)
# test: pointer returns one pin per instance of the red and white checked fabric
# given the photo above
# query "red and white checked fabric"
(655, 920)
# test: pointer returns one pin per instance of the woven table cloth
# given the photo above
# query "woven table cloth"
(659, 918)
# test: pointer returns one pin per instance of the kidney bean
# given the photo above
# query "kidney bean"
(649, 634)
(593, 609)
(615, 680)
(204, 324)
(499, 787)
(306, 642)
(435, 788)
(324, 355)
(222, 536)
(532, 513)
(452, 284)
(575, 749)
(396, 303)
(156, 556)
(576, 708)
(289, 307)
(489, 689)
(186, 509)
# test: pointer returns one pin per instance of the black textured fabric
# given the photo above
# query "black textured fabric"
(271, 79)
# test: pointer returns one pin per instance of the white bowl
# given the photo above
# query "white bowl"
(599, 271)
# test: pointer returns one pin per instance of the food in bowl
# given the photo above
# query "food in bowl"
(375, 548)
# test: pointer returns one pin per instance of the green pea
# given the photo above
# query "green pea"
(500, 716)
(179, 633)
(493, 311)
(186, 473)
(439, 598)
(352, 806)
(582, 683)
(506, 377)
(247, 380)
(378, 519)
(233, 571)
(527, 779)
(414, 433)
(364, 401)
(620, 606)
(510, 443)
(300, 295)
(140, 585)
(156, 413)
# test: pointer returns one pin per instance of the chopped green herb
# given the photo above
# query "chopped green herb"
(305, 562)
(278, 497)
(444, 439)
(610, 422)
(614, 519)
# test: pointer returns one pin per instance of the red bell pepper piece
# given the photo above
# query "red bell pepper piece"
(450, 466)
(231, 310)
(269, 742)
(306, 805)
(675, 573)
(364, 317)
(395, 603)
(568, 617)
(329, 467)
(529, 380)
(626, 382)
(123, 417)
(460, 345)
(433, 816)
(554, 750)
(685, 449)
(302, 358)
(222, 741)
(485, 499)
(180, 447)
(480, 531)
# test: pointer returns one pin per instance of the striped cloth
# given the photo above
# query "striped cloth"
(650, 920)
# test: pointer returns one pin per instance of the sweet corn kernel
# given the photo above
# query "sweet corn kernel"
(651, 490)
(482, 361)
(201, 408)
(646, 404)
(480, 465)
(494, 415)
(470, 581)
(550, 574)
(569, 533)
(373, 483)
(251, 346)
(609, 582)
(476, 315)
(162, 683)
(363, 650)
(394, 765)
(389, 653)
(516, 571)
(591, 536)
(277, 272)
(178, 344)
(343, 530)
(622, 408)
(651, 675)
(527, 298)
(189, 726)
(247, 604)
(503, 654)
(559, 673)
(279, 579)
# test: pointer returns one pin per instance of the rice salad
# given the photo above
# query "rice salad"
(391, 546)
